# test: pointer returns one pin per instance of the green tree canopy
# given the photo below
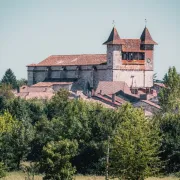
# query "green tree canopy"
(15, 139)
(134, 146)
(6, 91)
(2, 170)
(169, 97)
(56, 158)
(21, 82)
(9, 78)
(170, 145)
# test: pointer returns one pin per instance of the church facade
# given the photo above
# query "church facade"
(127, 60)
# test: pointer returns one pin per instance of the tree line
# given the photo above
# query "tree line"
(62, 137)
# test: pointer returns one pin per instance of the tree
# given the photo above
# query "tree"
(57, 104)
(15, 139)
(2, 170)
(43, 134)
(134, 146)
(56, 158)
(6, 122)
(170, 144)
(19, 109)
(36, 110)
(21, 82)
(169, 97)
(6, 91)
(9, 78)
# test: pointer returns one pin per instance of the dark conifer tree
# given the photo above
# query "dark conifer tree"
(9, 78)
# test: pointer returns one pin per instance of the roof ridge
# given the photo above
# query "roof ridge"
(74, 54)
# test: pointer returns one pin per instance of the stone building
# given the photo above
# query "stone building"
(127, 60)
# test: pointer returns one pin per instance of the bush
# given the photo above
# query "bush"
(2, 170)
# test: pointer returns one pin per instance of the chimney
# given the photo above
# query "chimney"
(113, 98)
(100, 92)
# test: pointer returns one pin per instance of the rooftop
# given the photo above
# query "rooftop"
(70, 60)
(49, 84)
(112, 87)
(128, 45)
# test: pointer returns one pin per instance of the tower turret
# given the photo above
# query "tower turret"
(146, 37)
(114, 56)
(147, 44)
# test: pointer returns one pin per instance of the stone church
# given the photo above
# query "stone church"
(127, 60)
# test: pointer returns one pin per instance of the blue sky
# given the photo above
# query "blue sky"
(32, 30)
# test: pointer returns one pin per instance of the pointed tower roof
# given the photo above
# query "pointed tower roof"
(146, 37)
(114, 38)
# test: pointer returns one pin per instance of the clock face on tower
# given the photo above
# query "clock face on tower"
(149, 62)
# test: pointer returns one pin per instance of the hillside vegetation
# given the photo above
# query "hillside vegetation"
(61, 137)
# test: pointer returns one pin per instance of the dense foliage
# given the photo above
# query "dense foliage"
(66, 136)
(170, 147)
(169, 97)
(56, 157)
(2, 170)
(135, 146)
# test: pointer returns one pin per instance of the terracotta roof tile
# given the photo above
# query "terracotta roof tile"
(117, 99)
(160, 84)
(32, 89)
(112, 87)
(132, 45)
(22, 94)
(70, 60)
(31, 65)
(107, 100)
(49, 84)
(40, 95)
(146, 37)
(114, 38)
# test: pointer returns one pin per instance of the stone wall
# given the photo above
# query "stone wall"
(85, 75)
(149, 78)
(91, 75)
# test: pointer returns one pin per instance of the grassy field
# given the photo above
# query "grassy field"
(21, 176)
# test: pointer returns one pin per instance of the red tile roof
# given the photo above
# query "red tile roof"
(128, 45)
(152, 104)
(132, 45)
(32, 89)
(32, 65)
(160, 84)
(106, 100)
(146, 37)
(114, 38)
(49, 84)
(117, 99)
(40, 95)
(112, 87)
(70, 60)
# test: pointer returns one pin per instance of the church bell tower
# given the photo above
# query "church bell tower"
(147, 45)
(114, 54)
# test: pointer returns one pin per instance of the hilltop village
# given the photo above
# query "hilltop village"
(124, 74)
